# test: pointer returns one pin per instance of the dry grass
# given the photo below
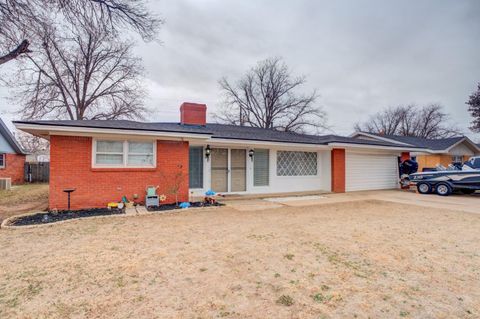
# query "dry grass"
(351, 260)
(23, 199)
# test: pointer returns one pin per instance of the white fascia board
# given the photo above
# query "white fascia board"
(227, 142)
(378, 147)
(384, 139)
(91, 131)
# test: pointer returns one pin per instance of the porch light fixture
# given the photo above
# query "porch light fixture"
(251, 153)
(207, 152)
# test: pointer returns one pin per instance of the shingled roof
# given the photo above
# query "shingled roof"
(213, 130)
(433, 144)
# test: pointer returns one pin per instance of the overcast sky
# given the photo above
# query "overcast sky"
(361, 56)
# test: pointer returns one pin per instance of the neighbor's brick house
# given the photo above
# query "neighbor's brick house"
(12, 156)
(105, 160)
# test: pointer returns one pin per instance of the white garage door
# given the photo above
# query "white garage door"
(367, 171)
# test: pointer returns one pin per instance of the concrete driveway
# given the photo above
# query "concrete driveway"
(464, 203)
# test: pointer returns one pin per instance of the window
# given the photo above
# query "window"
(296, 163)
(140, 154)
(457, 159)
(195, 171)
(112, 153)
(261, 167)
(2, 160)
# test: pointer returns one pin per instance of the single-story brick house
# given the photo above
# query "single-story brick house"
(104, 160)
(443, 151)
(12, 156)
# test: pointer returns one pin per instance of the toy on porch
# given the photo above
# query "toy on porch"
(210, 197)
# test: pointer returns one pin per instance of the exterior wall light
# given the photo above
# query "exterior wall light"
(208, 150)
(251, 153)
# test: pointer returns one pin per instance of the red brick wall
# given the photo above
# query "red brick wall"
(71, 167)
(338, 170)
(14, 164)
(193, 113)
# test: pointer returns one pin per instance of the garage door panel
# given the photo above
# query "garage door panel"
(370, 172)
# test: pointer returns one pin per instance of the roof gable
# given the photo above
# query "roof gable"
(10, 139)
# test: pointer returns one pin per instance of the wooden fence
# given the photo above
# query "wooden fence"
(37, 172)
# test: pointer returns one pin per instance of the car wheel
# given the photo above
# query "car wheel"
(424, 188)
(443, 189)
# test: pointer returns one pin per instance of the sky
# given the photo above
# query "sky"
(361, 56)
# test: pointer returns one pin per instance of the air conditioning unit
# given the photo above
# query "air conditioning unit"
(5, 183)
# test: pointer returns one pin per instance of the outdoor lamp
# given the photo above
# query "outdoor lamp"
(207, 151)
(251, 153)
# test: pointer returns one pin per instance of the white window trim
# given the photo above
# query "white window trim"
(3, 162)
(124, 153)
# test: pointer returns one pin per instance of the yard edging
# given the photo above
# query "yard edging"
(6, 222)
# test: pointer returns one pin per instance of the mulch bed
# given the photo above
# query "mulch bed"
(56, 216)
(52, 217)
(174, 206)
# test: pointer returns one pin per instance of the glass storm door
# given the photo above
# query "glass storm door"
(238, 166)
(219, 158)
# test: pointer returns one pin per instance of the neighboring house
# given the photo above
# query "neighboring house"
(12, 156)
(442, 151)
(104, 160)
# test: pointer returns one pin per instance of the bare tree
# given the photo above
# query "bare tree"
(410, 120)
(82, 73)
(474, 109)
(267, 97)
(32, 144)
(20, 18)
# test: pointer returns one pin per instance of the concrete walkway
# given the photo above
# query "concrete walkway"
(464, 203)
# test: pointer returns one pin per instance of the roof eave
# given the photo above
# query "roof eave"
(380, 138)
(373, 146)
(45, 130)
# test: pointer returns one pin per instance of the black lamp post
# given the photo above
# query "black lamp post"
(208, 150)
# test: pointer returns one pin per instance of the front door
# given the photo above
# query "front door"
(228, 169)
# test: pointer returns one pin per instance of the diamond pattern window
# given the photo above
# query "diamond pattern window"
(296, 163)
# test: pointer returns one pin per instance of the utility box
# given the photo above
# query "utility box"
(6, 183)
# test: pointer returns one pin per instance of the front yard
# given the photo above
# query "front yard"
(23, 199)
(348, 260)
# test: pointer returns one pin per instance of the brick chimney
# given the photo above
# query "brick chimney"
(193, 114)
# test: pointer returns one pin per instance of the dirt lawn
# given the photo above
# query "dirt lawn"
(23, 199)
(350, 260)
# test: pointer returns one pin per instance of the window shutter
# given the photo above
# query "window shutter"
(261, 167)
